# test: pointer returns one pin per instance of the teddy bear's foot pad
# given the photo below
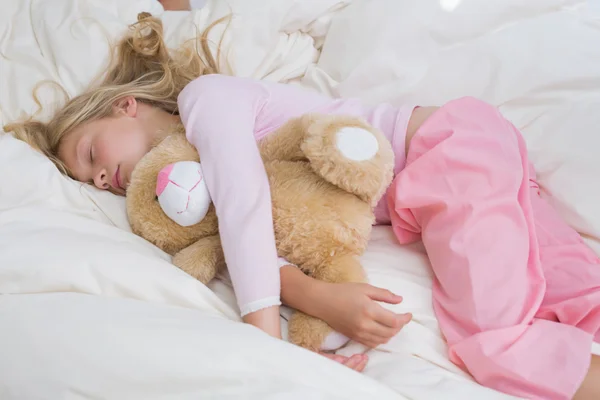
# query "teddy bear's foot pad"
(356, 144)
(334, 341)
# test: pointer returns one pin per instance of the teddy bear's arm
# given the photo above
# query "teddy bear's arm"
(202, 259)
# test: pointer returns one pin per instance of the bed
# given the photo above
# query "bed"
(90, 311)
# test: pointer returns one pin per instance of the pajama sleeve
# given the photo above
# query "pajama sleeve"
(219, 115)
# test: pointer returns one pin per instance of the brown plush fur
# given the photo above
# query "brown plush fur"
(322, 207)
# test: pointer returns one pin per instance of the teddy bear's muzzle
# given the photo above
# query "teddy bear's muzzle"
(182, 192)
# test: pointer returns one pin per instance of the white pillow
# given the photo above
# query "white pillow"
(61, 40)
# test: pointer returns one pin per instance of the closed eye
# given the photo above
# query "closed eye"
(91, 155)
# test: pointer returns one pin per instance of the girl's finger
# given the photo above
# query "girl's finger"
(389, 318)
(361, 366)
(370, 340)
(357, 362)
(385, 317)
(383, 332)
(379, 294)
(335, 357)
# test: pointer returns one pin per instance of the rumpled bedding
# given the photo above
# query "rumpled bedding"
(89, 310)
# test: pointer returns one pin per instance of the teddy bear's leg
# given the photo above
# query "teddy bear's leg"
(313, 333)
(202, 259)
(350, 154)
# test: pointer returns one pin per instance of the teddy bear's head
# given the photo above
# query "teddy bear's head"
(144, 210)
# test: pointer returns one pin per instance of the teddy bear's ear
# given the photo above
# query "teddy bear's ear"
(144, 211)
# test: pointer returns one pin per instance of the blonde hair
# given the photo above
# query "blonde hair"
(144, 68)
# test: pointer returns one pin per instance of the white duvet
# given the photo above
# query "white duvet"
(89, 310)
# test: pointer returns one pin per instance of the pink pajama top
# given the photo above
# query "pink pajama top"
(224, 117)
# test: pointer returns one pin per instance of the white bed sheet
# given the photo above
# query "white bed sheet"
(89, 310)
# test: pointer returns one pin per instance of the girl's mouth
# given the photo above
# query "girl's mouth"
(117, 180)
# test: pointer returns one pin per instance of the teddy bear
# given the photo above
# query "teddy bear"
(326, 174)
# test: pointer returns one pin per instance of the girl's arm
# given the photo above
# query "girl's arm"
(219, 114)
(349, 308)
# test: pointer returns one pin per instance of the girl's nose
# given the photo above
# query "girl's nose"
(101, 180)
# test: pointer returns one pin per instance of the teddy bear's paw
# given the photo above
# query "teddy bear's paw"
(334, 341)
(356, 144)
(202, 259)
(188, 264)
(310, 332)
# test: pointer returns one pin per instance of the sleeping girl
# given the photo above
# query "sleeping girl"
(516, 291)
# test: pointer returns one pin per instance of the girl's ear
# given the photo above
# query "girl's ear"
(127, 106)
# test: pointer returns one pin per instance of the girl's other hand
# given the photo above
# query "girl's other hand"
(357, 362)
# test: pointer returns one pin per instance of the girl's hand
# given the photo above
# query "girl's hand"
(357, 362)
(352, 310)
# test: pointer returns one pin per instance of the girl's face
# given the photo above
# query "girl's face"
(105, 151)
